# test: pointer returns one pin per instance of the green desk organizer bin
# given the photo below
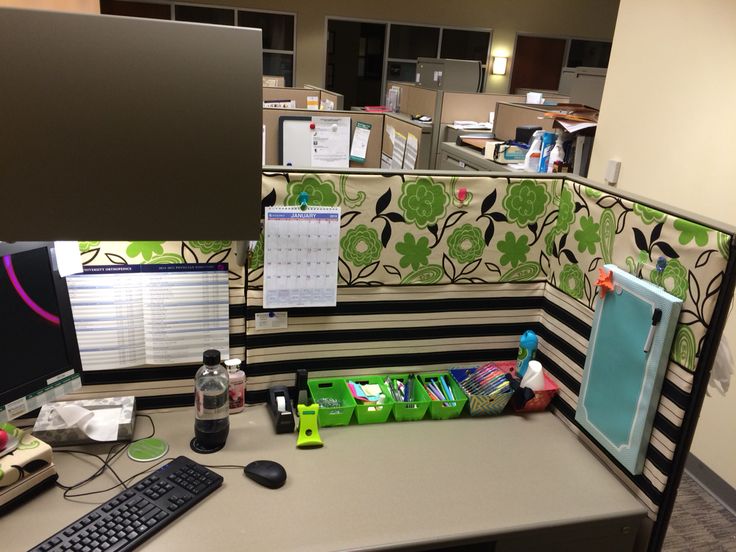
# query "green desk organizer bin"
(332, 388)
(416, 407)
(443, 410)
(372, 413)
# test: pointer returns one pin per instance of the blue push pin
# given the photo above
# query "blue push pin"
(661, 264)
(303, 199)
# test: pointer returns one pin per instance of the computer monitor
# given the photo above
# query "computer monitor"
(39, 355)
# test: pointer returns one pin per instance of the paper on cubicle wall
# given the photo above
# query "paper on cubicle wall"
(300, 257)
(313, 103)
(134, 315)
(397, 158)
(287, 104)
(330, 142)
(361, 135)
(68, 258)
(410, 155)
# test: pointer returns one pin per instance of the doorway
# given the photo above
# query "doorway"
(354, 67)
(538, 63)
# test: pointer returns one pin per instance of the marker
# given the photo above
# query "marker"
(656, 317)
(407, 388)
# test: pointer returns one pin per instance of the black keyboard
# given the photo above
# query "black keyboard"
(136, 514)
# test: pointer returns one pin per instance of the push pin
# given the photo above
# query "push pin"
(303, 200)
(462, 194)
(661, 264)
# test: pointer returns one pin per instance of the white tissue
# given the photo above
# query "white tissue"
(98, 425)
(534, 376)
(534, 98)
(720, 375)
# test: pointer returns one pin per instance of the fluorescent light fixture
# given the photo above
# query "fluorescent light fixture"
(499, 65)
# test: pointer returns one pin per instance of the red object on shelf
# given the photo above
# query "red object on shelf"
(377, 108)
(541, 398)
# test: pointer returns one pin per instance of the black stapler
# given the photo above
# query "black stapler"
(279, 405)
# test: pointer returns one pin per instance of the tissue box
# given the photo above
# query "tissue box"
(52, 429)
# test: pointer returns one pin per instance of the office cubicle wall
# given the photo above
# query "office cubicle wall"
(336, 98)
(464, 106)
(392, 124)
(271, 117)
(299, 95)
(514, 254)
(509, 116)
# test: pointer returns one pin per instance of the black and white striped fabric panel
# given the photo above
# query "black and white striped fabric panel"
(393, 329)
(562, 345)
(237, 321)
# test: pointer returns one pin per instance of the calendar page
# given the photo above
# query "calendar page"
(300, 257)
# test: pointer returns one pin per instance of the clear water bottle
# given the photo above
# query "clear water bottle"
(211, 405)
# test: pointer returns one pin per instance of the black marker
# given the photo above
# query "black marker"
(656, 317)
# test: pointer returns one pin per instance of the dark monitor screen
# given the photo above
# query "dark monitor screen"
(37, 341)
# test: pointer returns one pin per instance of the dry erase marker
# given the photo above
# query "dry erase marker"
(656, 317)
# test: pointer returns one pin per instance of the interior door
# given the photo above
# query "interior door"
(355, 61)
(537, 63)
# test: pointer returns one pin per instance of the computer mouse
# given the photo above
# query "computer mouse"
(267, 473)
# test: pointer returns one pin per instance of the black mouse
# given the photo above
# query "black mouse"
(267, 473)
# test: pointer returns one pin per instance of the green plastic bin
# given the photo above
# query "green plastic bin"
(372, 413)
(442, 410)
(332, 388)
(416, 407)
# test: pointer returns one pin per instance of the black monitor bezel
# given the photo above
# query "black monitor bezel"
(66, 318)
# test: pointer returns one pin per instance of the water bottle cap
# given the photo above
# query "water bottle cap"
(211, 357)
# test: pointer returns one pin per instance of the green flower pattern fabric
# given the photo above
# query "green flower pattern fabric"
(423, 201)
(361, 245)
(414, 231)
(525, 201)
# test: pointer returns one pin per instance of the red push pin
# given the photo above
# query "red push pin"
(311, 126)
(462, 193)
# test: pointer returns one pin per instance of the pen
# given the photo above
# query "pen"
(407, 389)
(656, 317)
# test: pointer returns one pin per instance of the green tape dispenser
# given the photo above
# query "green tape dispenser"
(308, 426)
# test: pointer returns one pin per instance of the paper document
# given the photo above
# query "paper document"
(360, 142)
(575, 126)
(313, 102)
(331, 142)
(385, 161)
(410, 156)
(68, 258)
(300, 257)
(133, 315)
(289, 104)
(397, 159)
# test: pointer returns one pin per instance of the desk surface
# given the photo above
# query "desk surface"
(381, 486)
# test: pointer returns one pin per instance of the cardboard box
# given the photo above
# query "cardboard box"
(51, 428)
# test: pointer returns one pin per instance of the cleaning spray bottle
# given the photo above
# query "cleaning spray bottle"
(557, 154)
(531, 161)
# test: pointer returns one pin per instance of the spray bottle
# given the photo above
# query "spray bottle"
(531, 161)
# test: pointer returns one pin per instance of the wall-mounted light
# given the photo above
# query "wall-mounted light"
(499, 65)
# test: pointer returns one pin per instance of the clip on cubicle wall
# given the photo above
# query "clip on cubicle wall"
(468, 278)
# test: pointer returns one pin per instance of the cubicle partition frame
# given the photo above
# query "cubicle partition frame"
(704, 359)
(243, 340)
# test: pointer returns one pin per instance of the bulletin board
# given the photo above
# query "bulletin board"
(633, 328)
(295, 141)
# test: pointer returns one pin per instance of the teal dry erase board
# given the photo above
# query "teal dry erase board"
(632, 333)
